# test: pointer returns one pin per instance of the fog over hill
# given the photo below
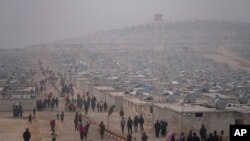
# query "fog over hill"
(30, 22)
(205, 34)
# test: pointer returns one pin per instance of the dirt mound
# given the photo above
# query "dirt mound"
(226, 56)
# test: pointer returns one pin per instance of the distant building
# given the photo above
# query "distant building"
(185, 117)
(24, 96)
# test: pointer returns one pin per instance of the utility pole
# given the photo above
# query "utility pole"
(20, 122)
(91, 63)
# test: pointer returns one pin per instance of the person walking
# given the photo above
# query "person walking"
(52, 124)
(86, 107)
(164, 125)
(215, 136)
(144, 136)
(86, 131)
(171, 136)
(123, 123)
(222, 136)
(136, 121)
(93, 103)
(129, 137)
(182, 137)
(190, 135)
(157, 128)
(130, 125)
(210, 138)
(105, 106)
(34, 112)
(141, 122)
(26, 135)
(102, 129)
(121, 113)
(76, 123)
(81, 131)
(101, 106)
(98, 107)
(62, 116)
(30, 118)
(53, 135)
(57, 115)
(195, 138)
(203, 132)
(80, 118)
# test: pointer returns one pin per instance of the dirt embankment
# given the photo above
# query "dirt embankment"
(226, 56)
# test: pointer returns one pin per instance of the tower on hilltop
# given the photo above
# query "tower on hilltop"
(158, 30)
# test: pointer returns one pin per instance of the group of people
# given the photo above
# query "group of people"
(66, 90)
(135, 123)
(47, 102)
(60, 115)
(80, 103)
(203, 136)
(132, 123)
(194, 137)
(161, 127)
(102, 107)
(86, 102)
(49, 77)
(83, 130)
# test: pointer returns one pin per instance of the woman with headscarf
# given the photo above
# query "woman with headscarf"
(182, 137)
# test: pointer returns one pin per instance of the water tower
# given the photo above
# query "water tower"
(158, 30)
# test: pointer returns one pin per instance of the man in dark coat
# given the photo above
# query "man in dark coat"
(129, 137)
(157, 128)
(203, 132)
(98, 107)
(30, 119)
(215, 136)
(121, 113)
(136, 121)
(93, 103)
(86, 130)
(34, 112)
(86, 107)
(210, 138)
(62, 116)
(189, 138)
(129, 125)
(105, 106)
(102, 129)
(195, 138)
(144, 136)
(76, 123)
(141, 122)
(164, 125)
(26, 135)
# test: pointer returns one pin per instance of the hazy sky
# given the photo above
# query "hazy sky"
(27, 22)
